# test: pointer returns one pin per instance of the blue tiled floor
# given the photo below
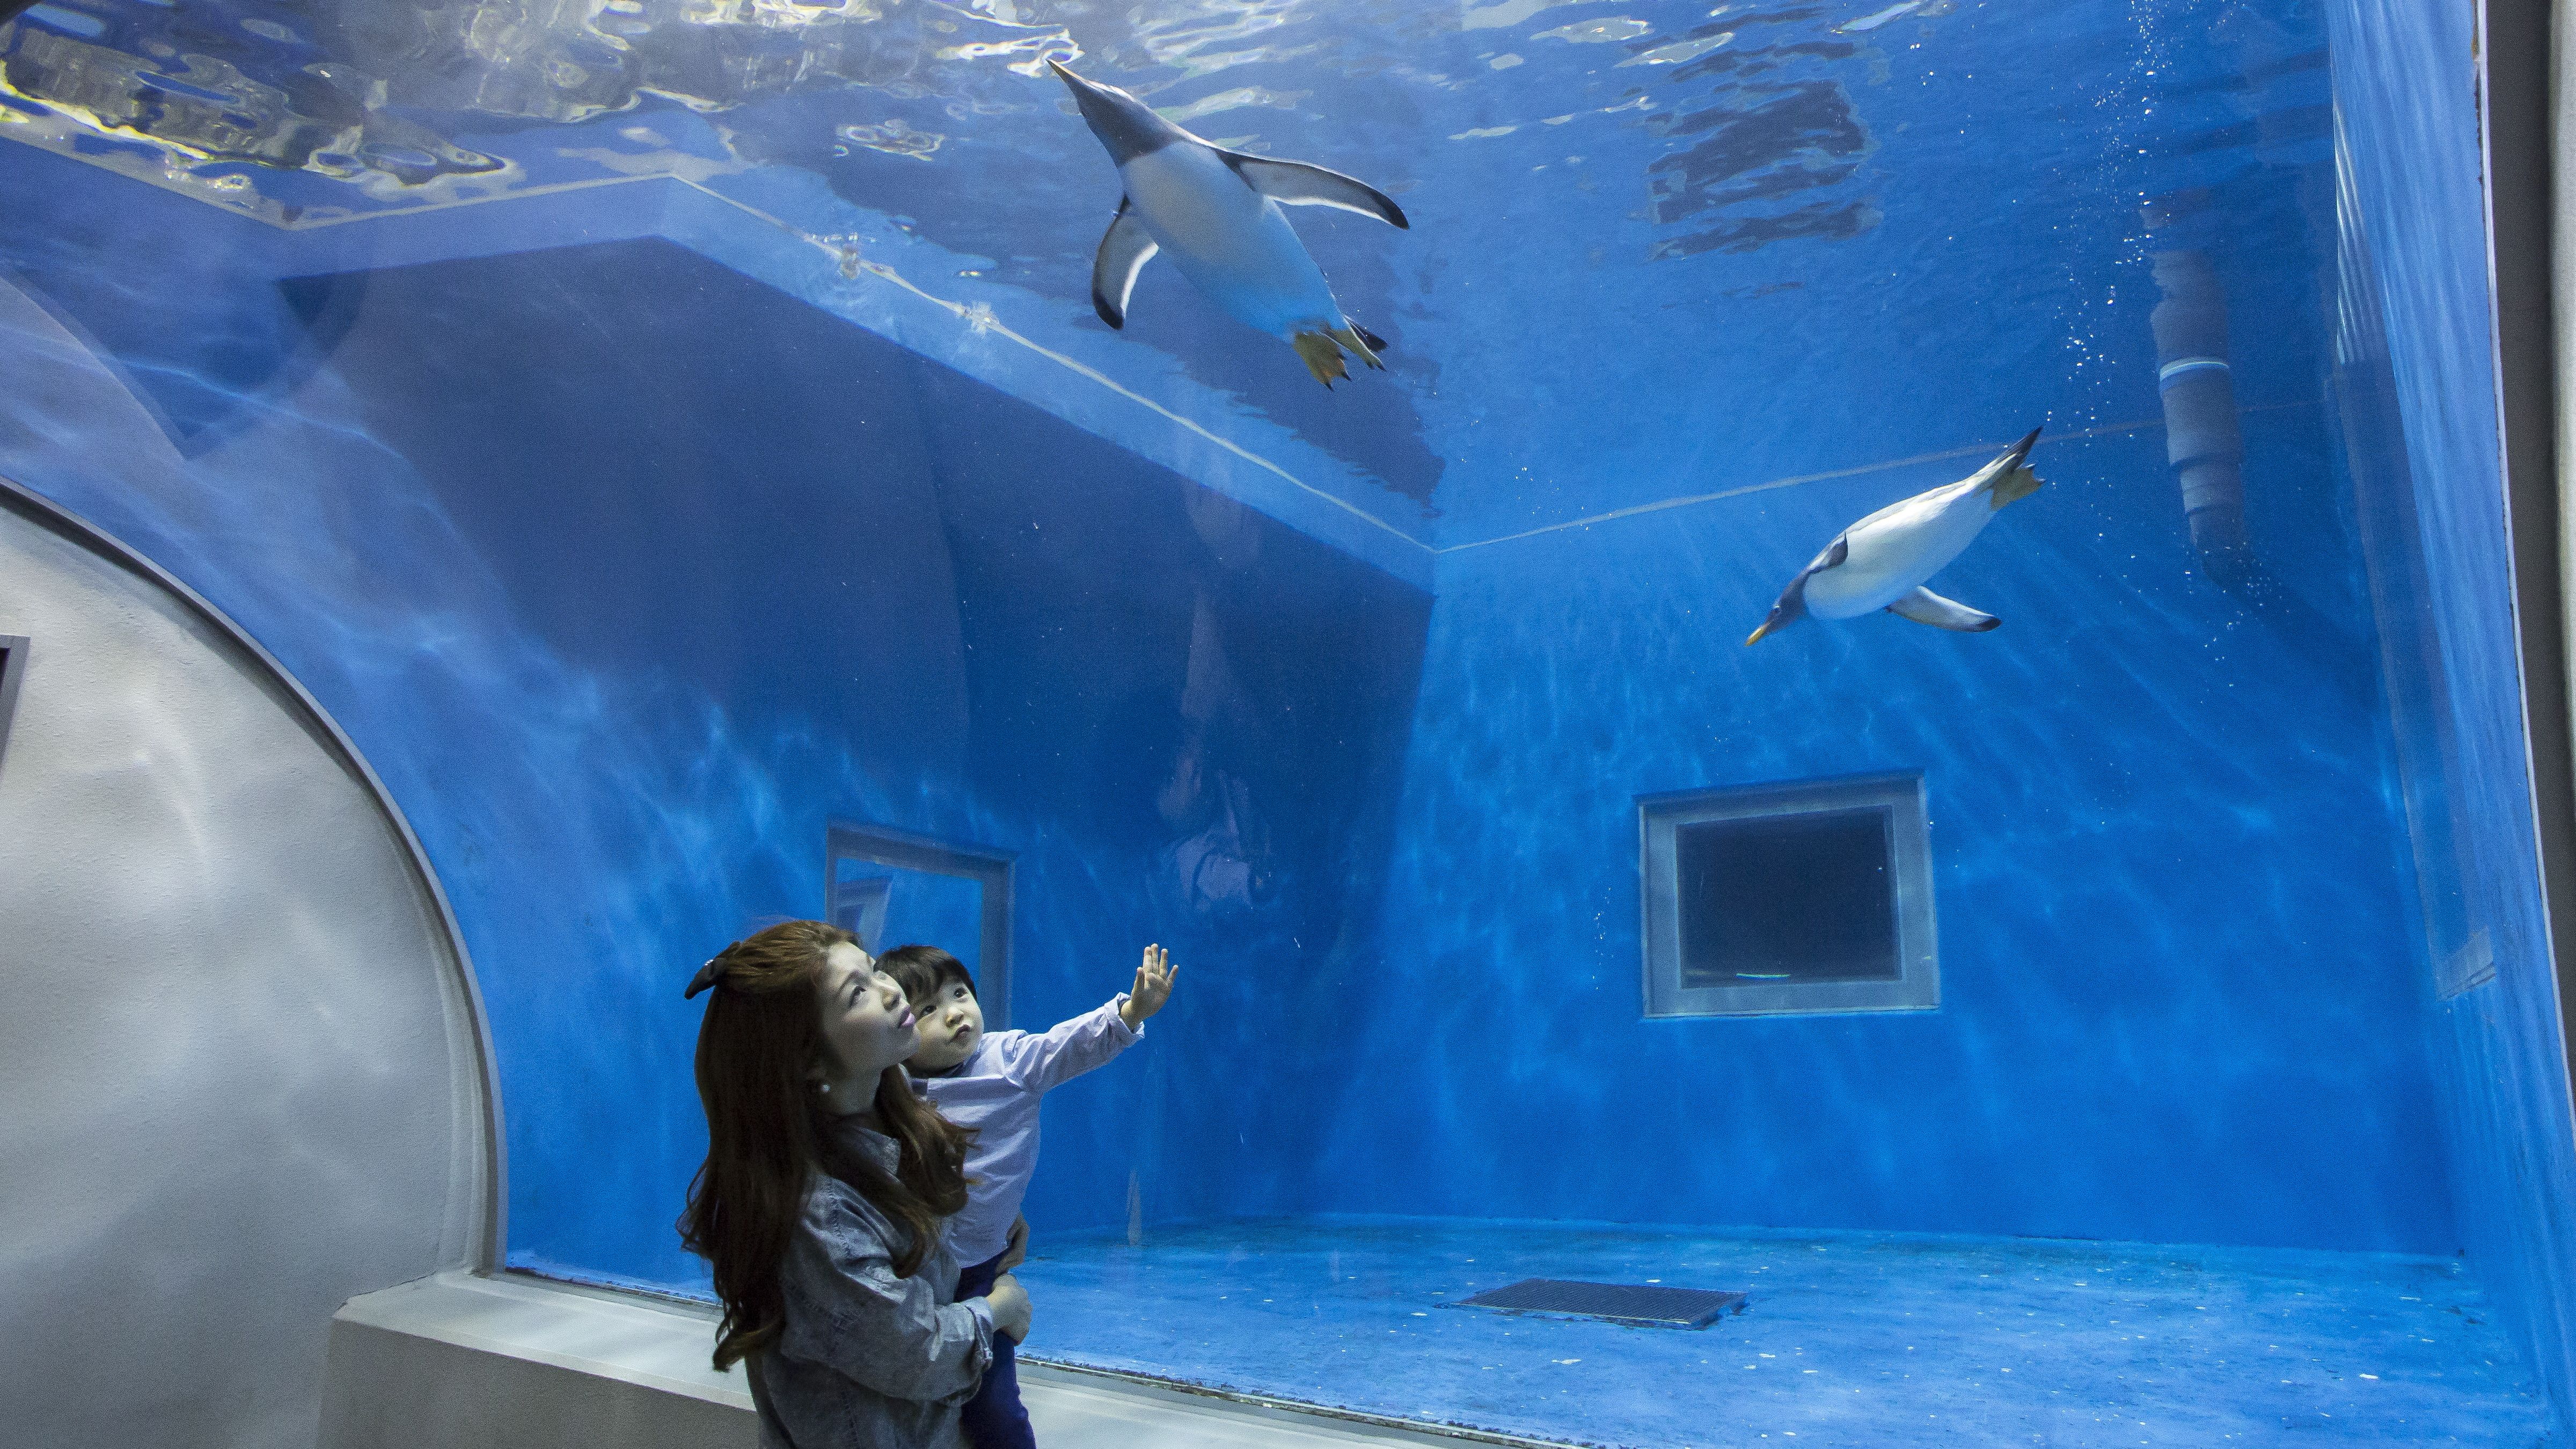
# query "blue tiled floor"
(1848, 1339)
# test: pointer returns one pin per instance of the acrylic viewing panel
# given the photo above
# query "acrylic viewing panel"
(1814, 896)
(13, 667)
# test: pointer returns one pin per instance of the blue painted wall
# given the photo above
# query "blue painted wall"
(2420, 390)
(627, 602)
(2180, 997)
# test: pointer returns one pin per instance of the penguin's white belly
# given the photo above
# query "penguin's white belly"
(1229, 240)
(1892, 552)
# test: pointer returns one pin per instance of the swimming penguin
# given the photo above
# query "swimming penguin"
(1882, 561)
(1217, 213)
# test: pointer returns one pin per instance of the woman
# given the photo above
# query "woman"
(821, 1201)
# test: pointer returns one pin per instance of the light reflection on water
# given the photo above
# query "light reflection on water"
(417, 93)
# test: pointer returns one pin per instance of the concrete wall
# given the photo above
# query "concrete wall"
(2420, 385)
(240, 1054)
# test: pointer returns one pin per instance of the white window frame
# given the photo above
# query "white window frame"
(1899, 797)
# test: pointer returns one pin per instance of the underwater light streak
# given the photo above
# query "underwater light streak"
(1633, 103)
(1658, 506)
(1509, 13)
(1873, 21)
(1679, 51)
(316, 223)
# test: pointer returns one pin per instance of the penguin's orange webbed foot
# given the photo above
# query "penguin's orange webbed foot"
(1322, 356)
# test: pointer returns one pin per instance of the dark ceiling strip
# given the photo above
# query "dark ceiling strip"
(2516, 57)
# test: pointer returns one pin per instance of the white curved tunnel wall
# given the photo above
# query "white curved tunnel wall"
(241, 1062)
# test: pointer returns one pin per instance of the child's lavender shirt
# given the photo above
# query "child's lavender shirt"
(996, 1091)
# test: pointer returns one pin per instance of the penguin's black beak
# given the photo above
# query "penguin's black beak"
(1098, 103)
(1082, 89)
(2021, 450)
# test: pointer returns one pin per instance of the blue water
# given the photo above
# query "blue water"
(662, 436)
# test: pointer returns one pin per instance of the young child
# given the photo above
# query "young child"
(992, 1084)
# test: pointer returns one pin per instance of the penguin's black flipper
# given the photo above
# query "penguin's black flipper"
(1124, 251)
(1926, 607)
(1294, 183)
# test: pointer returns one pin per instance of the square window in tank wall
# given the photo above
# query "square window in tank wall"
(1812, 896)
(13, 664)
(891, 889)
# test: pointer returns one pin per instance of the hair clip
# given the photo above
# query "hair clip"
(708, 973)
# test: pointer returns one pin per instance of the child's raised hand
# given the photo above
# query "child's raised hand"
(1153, 987)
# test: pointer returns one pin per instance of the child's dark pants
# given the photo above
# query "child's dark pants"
(994, 1418)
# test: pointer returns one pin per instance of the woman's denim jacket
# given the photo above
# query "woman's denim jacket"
(866, 1360)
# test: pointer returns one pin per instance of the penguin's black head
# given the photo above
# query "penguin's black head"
(1791, 608)
(1125, 125)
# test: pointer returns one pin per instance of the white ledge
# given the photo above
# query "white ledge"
(467, 1361)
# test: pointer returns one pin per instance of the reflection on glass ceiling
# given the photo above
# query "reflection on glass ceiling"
(302, 111)
(1659, 249)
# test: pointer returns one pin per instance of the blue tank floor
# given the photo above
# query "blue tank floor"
(1848, 1339)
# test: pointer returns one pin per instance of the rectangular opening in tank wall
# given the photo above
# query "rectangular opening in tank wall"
(891, 889)
(1809, 896)
(1786, 898)
(13, 663)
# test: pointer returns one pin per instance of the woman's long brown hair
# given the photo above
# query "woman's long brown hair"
(767, 1134)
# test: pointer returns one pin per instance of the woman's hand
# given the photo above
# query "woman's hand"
(1016, 1251)
(1010, 1305)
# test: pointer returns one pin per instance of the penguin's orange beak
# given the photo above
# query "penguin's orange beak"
(1756, 636)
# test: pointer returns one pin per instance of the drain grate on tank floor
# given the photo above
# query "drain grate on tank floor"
(1645, 1305)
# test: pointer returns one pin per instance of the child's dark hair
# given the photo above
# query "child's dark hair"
(924, 971)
